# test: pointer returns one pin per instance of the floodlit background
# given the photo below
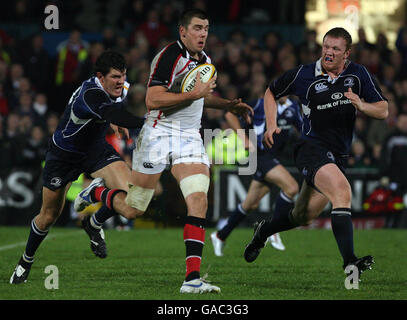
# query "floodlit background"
(250, 43)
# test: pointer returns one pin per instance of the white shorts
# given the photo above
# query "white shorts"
(159, 148)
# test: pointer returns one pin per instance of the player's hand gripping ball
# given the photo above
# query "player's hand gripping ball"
(207, 71)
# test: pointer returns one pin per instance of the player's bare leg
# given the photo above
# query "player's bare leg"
(308, 206)
(332, 182)
(52, 205)
(193, 179)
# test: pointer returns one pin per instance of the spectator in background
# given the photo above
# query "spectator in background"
(71, 54)
(358, 157)
(40, 109)
(7, 148)
(309, 50)
(25, 87)
(136, 63)
(233, 57)
(212, 119)
(241, 79)
(32, 148)
(4, 108)
(168, 13)
(133, 13)
(375, 156)
(86, 70)
(379, 129)
(122, 45)
(25, 125)
(267, 59)
(394, 154)
(389, 76)
(4, 55)
(360, 128)
(12, 84)
(258, 85)
(3, 71)
(153, 29)
(25, 106)
(222, 83)
(136, 102)
(382, 47)
(36, 62)
(108, 38)
(13, 122)
(52, 123)
(363, 43)
(272, 42)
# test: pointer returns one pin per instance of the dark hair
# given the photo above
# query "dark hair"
(340, 33)
(110, 59)
(186, 17)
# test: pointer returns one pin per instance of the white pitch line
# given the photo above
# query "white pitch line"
(19, 244)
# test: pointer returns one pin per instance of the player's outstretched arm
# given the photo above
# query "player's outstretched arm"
(236, 106)
(270, 109)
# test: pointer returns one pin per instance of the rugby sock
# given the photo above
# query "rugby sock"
(284, 204)
(34, 240)
(280, 222)
(104, 213)
(194, 239)
(341, 219)
(237, 216)
(105, 195)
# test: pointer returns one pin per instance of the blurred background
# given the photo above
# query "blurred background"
(250, 43)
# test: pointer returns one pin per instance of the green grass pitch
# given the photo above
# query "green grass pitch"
(149, 264)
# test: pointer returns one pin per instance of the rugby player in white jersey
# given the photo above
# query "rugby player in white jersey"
(170, 137)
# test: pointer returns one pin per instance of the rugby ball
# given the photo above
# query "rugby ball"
(207, 71)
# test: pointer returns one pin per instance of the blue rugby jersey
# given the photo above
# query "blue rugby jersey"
(83, 125)
(329, 116)
(288, 116)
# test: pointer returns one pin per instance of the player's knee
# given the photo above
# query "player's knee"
(48, 216)
(342, 197)
(292, 190)
(197, 202)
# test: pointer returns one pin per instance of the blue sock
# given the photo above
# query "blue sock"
(34, 240)
(341, 219)
(237, 216)
(99, 218)
(284, 204)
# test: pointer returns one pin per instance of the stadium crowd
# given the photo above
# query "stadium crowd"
(35, 87)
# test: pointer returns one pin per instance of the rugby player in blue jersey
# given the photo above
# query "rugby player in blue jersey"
(269, 170)
(79, 146)
(331, 90)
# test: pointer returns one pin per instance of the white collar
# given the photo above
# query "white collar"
(318, 70)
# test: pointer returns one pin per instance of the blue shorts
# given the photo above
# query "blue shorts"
(309, 157)
(62, 167)
(265, 162)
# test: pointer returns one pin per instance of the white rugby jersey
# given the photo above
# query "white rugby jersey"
(168, 69)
